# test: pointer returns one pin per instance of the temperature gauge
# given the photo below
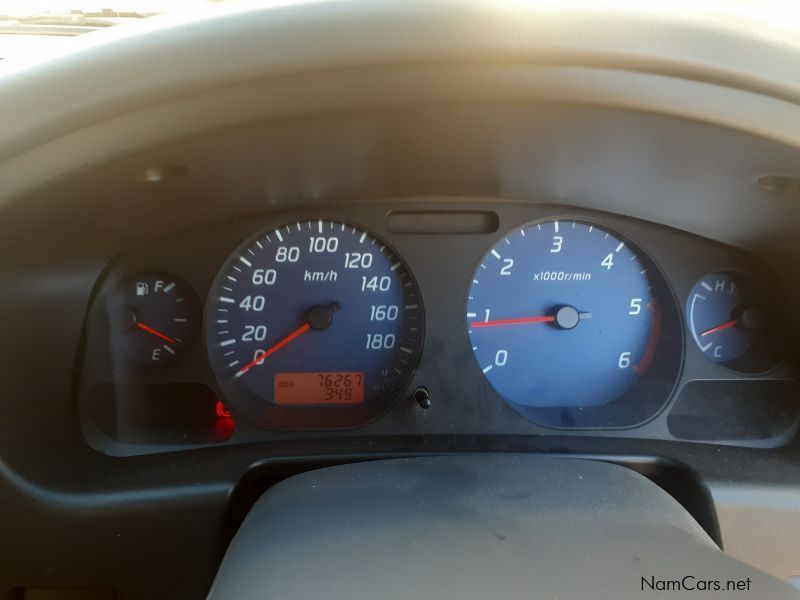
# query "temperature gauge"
(153, 317)
(730, 320)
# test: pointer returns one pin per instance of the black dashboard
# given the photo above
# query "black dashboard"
(665, 376)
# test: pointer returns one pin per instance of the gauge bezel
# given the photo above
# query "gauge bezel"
(270, 416)
(118, 346)
(637, 406)
(768, 353)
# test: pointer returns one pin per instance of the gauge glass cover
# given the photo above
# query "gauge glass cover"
(731, 319)
(574, 326)
(314, 325)
(152, 318)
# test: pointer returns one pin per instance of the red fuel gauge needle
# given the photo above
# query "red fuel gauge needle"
(519, 321)
(274, 348)
(154, 332)
(719, 328)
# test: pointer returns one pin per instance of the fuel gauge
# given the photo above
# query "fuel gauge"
(731, 320)
(153, 317)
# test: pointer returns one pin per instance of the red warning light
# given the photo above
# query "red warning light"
(222, 412)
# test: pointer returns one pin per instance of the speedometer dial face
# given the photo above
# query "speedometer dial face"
(315, 324)
(574, 327)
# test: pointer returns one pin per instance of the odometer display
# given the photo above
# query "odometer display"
(319, 388)
(315, 324)
(574, 327)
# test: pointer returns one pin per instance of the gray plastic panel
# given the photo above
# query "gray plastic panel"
(760, 524)
(474, 527)
(239, 63)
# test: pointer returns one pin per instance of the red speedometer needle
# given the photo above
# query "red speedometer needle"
(519, 321)
(274, 348)
(154, 332)
(719, 328)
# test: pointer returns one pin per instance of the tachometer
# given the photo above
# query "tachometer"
(574, 327)
(316, 324)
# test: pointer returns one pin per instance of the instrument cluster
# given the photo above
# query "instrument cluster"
(424, 318)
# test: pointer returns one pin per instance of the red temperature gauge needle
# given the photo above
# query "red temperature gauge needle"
(154, 332)
(719, 328)
(513, 321)
(274, 348)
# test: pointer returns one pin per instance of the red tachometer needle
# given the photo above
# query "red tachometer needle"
(154, 332)
(274, 348)
(719, 328)
(513, 321)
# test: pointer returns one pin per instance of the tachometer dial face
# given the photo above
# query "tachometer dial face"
(153, 317)
(574, 327)
(730, 320)
(315, 324)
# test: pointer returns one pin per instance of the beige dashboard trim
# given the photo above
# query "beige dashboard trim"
(173, 77)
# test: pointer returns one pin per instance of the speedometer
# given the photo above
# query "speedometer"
(315, 324)
(574, 326)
